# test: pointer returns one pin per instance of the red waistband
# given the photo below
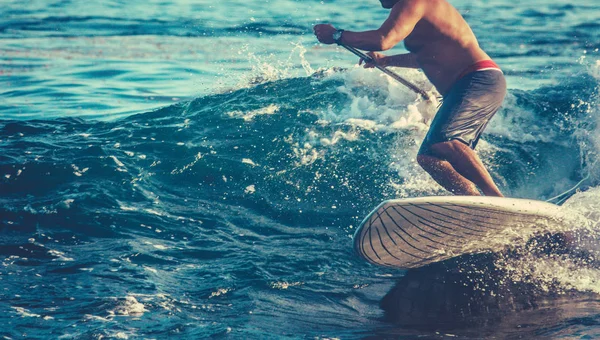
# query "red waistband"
(480, 65)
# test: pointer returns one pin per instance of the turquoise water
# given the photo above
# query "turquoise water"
(195, 169)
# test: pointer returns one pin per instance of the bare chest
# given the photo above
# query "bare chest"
(422, 35)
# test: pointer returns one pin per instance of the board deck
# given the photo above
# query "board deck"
(411, 233)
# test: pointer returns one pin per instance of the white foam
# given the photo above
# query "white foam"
(590, 140)
(121, 166)
(383, 101)
(78, 172)
(219, 292)
(66, 204)
(267, 68)
(89, 317)
(248, 161)
(514, 123)
(249, 116)
(581, 216)
(341, 135)
(160, 246)
(306, 154)
(125, 207)
(584, 209)
(187, 166)
(129, 307)
(60, 256)
(25, 312)
(282, 285)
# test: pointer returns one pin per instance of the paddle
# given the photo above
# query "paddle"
(392, 74)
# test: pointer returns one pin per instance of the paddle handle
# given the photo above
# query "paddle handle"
(392, 74)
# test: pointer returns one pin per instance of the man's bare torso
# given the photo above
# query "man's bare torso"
(443, 44)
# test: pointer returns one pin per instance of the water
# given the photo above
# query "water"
(193, 170)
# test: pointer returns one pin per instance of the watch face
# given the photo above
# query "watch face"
(337, 35)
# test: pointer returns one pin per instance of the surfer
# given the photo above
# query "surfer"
(442, 44)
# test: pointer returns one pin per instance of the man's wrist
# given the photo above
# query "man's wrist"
(383, 61)
(337, 36)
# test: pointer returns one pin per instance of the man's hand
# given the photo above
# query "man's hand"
(378, 59)
(324, 33)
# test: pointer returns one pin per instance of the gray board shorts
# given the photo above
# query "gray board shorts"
(466, 109)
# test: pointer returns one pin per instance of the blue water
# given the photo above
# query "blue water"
(193, 170)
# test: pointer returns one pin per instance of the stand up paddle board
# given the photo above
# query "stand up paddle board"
(411, 233)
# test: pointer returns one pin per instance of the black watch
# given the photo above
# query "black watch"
(337, 36)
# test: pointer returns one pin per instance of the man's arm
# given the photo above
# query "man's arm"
(408, 60)
(399, 24)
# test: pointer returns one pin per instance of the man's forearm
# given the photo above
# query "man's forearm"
(408, 60)
(375, 41)
(366, 41)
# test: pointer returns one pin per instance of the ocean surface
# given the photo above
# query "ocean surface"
(195, 169)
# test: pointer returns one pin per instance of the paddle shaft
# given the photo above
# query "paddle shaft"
(388, 72)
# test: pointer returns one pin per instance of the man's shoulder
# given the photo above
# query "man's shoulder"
(414, 4)
(422, 7)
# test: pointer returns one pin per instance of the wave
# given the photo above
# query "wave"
(258, 166)
(331, 124)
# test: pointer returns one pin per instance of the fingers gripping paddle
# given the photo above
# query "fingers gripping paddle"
(392, 74)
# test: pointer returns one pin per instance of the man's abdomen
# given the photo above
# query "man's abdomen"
(443, 64)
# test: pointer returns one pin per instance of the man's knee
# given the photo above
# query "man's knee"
(431, 155)
(437, 150)
(427, 162)
(422, 160)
